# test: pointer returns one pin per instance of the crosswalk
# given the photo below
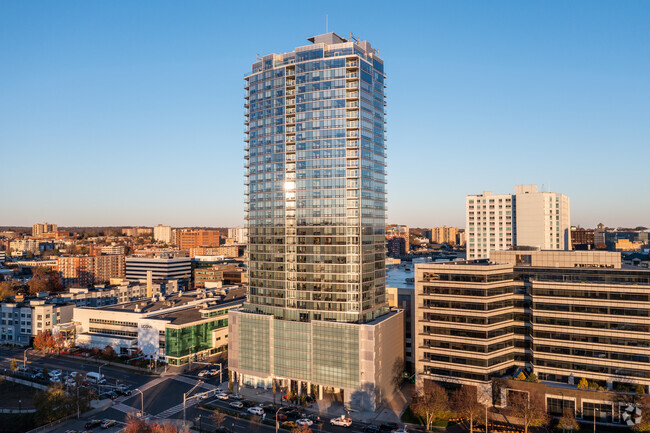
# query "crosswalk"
(172, 410)
(191, 381)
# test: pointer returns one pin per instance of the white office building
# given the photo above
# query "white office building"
(162, 234)
(238, 234)
(162, 268)
(527, 218)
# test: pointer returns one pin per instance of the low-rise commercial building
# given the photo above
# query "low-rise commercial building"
(174, 329)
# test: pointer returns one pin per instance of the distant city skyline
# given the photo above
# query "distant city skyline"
(122, 114)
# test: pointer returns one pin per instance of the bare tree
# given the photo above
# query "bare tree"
(568, 421)
(432, 403)
(218, 418)
(529, 407)
(644, 425)
(467, 406)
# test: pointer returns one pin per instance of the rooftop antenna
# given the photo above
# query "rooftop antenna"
(257, 57)
(326, 24)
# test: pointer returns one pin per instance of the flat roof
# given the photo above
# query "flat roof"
(148, 306)
(193, 314)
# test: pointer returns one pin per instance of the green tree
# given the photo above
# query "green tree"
(431, 403)
(466, 405)
(568, 421)
(532, 377)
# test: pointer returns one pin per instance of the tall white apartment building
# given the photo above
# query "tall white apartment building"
(239, 234)
(162, 234)
(489, 223)
(527, 218)
(543, 219)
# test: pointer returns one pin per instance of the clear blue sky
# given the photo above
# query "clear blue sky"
(128, 113)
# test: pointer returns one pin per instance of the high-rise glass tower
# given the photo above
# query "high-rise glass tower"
(316, 209)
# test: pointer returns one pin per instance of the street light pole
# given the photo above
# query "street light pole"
(595, 419)
(277, 423)
(141, 401)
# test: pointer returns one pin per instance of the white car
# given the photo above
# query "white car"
(237, 404)
(341, 421)
(305, 422)
(400, 430)
(203, 373)
(256, 410)
(222, 396)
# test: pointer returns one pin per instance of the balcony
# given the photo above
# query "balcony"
(351, 95)
(352, 75)
(290, 83)
(352, 114)
(352, 144)
(291, 101)
(352, 64)
(350, 105)
(291, 110)
(290, 120)
(352, 85)
(352, 134)
(352, 124)
(291, 92)
(291, 130)
(290, 139)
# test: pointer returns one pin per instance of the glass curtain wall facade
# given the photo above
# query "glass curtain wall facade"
(316, 183)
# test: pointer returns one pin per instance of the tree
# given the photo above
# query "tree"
(465, 403)
(583, 384)
(109, 353)
(530, 408)
(644, 425)
(137, 425)
(44, 341)
(301, 429)
(532, 377)
(13, 366)
(44, 280)
(568, 421)
(218, 418)
(431, 404)
(8, 289)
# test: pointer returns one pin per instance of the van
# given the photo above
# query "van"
(94, 377)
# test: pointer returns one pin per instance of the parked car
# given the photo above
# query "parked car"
(388, 427)
(248, 403)
(293, 414)
(203, 373)
(341, 421)
(305, 422)
(314, 418)
(214, 372)
(400, 430)
(371, 428)
(289, 425)
(108, 423)
(256, 410)
(237, 404)
(92, 424)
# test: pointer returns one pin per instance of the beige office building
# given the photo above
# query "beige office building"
(562, 315)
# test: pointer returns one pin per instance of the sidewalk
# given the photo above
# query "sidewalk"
(328, 408)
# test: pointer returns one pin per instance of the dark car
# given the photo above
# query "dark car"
(314, 418)
(270, 409)
(110, 394)
(279, 416)
(293, 415)
(92, 424)
(388, 427)
(248, 403)
(123, 391)
(371, 428)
